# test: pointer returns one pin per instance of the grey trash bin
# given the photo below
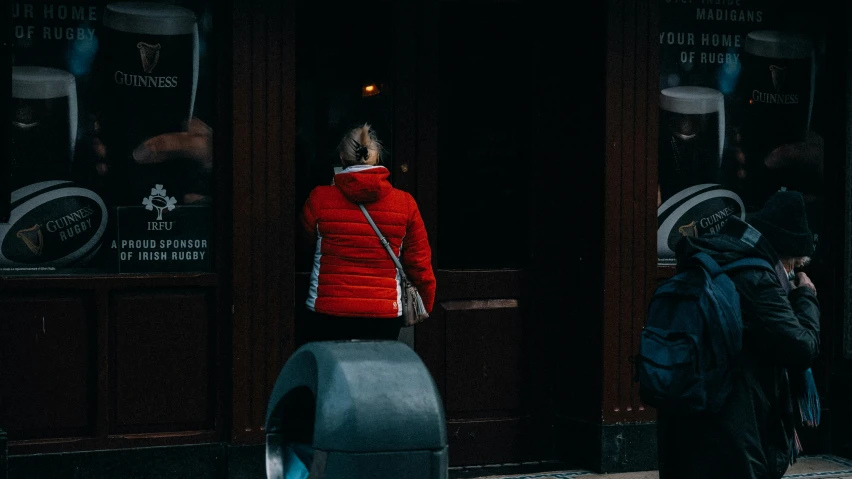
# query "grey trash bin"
(355, 409)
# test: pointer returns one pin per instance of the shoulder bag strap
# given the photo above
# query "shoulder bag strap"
(384, 242)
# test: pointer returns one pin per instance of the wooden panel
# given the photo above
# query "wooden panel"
(260, 161)
(88, 283)
(263, 152)
(494, 441)
(47, 353)
(430, 338)
(612, 272)
(458, 287)
(484, 340)
(162, 361)
(283, 267)
(460, 284)
(242, 246)
(629, 267)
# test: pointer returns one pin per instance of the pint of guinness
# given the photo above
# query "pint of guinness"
(692, 126)
(44, 125)
(775, 95)
(149, 63)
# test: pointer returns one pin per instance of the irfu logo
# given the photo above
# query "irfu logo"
(160, 201)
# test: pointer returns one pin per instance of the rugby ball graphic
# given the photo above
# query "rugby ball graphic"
(695, 211)
(52, 224)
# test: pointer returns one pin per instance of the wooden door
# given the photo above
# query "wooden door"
(474, 185)
(456, 142)
(475, 139)
(510, 181)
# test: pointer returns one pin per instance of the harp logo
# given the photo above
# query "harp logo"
(690, 230)
(779, 77)
(32, 239)
(150, 55)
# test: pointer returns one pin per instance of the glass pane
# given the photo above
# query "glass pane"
(110, 165)
(343, 79)
(484, 173)
(745, 109)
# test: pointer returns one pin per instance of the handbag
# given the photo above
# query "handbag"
(413, 310)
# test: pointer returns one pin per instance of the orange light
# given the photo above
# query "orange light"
(370, 90)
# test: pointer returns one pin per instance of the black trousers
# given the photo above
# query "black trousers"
(323, 327)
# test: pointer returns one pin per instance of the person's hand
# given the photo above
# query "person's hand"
(801, 163)
(194, 144)
(802, 280)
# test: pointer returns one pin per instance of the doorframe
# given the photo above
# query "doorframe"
(263, 124)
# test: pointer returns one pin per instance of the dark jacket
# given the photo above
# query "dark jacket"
(752, 436)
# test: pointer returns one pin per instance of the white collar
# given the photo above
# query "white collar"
(357, 168)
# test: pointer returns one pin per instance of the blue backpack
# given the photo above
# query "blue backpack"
(692, 335)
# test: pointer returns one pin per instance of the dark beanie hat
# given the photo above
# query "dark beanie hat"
(784, 222)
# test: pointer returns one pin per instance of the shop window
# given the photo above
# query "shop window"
(745, 104)
(109, 168)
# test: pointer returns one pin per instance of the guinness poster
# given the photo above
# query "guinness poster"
(741, 102)
(110, 159)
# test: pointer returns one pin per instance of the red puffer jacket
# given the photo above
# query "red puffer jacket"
(352, 273)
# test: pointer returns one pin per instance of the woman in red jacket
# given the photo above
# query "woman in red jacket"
(355, 289)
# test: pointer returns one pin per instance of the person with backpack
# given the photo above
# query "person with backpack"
(744, 426)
